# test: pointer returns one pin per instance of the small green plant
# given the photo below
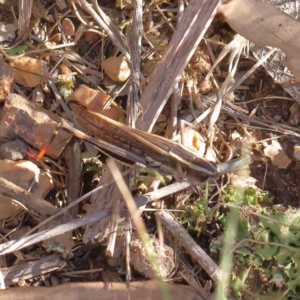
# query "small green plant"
(194, 215)
(267, 246)
(245, 196)
(265, 242)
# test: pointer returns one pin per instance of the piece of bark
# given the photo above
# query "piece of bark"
(41, 206)
(104, 291)
(32, 269)
(34, 125)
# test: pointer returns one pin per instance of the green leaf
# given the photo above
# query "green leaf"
(265, 251)
(16, 50)
(244, 251)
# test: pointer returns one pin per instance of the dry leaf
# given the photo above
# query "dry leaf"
(67, 26)
(91, 99)
(22, 173)
(24, 64)
(95, 100)
(277, 155)
(294, 118)
(210, 154)
(281, 160)
(242, 180)
(116, 68)
(14, 150)
(265, 25)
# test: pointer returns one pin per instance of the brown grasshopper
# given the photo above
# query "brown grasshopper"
(133, 146)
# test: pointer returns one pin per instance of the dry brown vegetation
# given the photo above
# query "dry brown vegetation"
(88, 201)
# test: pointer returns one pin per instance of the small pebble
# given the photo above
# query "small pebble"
(14, 150)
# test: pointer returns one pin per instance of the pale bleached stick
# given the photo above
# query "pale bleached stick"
(113, 228)
(49, 233)
(135, 43)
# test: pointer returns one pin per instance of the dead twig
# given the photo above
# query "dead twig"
(189, 244)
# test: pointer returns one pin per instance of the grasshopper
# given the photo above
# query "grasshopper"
(132, 146)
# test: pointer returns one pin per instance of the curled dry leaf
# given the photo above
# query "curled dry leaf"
(294, 119)
(95, 100)
(242, 180)
(91, 99)
(116, 68)
(265, 25)
(23, 66)
(6, 79)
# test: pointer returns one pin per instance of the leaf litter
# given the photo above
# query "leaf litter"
(79, 58)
